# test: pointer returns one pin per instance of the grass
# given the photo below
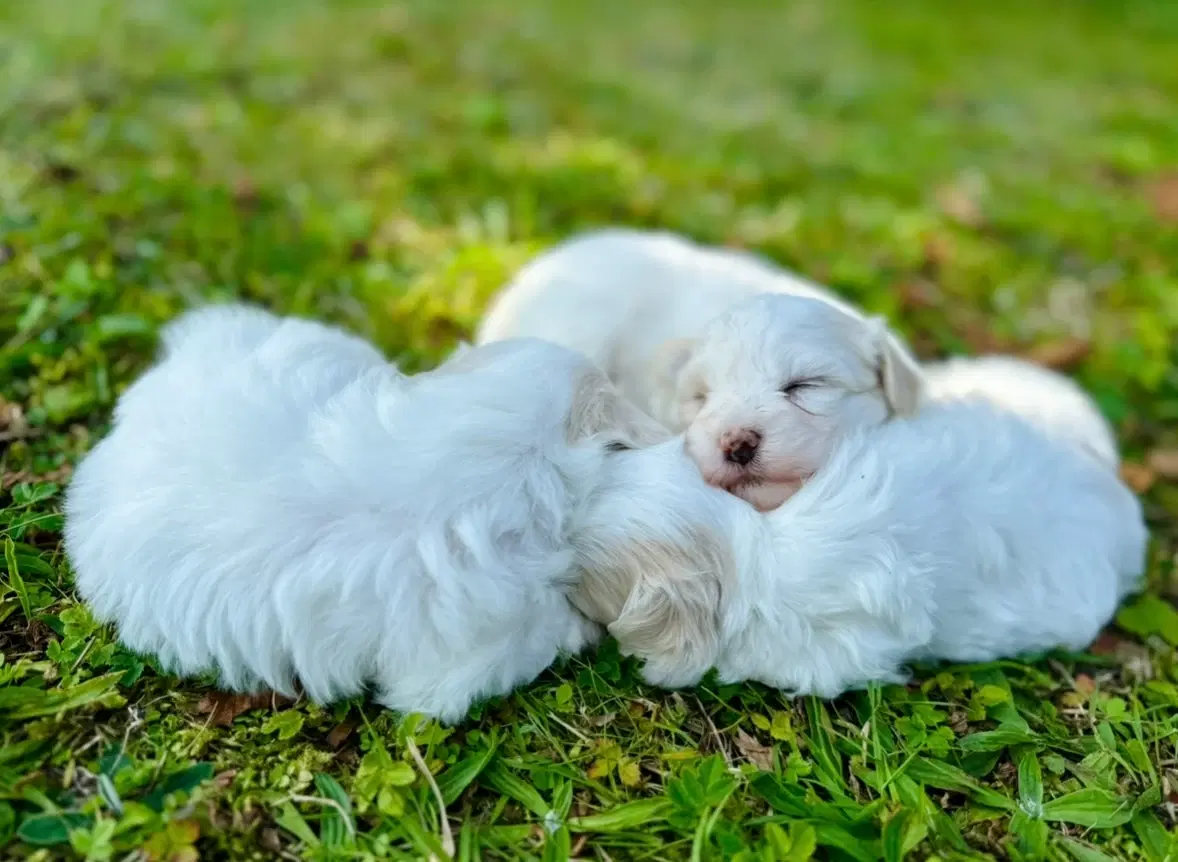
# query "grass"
(991, 175)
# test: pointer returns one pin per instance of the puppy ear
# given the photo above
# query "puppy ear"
(599, 408)
(671, 618)
(899, 375)
(670, 358)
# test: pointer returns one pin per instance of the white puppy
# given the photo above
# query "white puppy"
(764, 370)
(964, 534)
(1049, 400)
(277, 503)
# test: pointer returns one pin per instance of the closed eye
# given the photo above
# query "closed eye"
(618, 446)
(795, 387)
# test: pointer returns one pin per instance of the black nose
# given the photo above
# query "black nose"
(742, 453)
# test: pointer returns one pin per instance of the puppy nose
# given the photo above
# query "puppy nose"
(740, 447)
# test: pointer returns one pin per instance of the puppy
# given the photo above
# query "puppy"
(962, 534)
(1049, 400)
(278, 504)
(763, 370)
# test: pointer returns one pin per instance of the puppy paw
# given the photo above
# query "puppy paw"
(668, 674)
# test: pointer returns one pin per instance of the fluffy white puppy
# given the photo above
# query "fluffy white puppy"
(764, 370)
(963, 534)
(278, 504)
(1051, 401)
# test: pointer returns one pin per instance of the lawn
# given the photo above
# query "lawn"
(991, 175)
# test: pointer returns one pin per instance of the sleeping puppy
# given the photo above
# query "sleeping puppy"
(763, 370)
(965, 533)
(1049, 400)
(278, 504)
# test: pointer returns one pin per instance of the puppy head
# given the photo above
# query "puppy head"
(654, 557)
(554, 377)
(775, 382)
(600, 412)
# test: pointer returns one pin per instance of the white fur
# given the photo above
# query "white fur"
(1049, 400)
(718, 342)
(963, 534)
(277, 503)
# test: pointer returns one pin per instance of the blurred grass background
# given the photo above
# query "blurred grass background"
(991, 175)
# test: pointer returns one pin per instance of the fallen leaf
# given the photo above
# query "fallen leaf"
(1107, 644)
(59, 476)
(1163, 194)
(976, 333)
(1137, 476)
(1085, 684)
(1063, 355)
(1163, 462)
(224, 779)
(938, 250)
(959, 204)
(271, 840)
(918, 293)
(245, 193)
(340, 733)
(1170, 785)
(761, 756)
(223, 707)
(12, 420)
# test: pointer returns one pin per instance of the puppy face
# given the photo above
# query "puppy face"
(655, 558)
(774, 383)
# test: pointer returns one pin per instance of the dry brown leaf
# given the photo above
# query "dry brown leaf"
(761, 756)
(1085, 685)
(1108, 643)
(959, 204)
(980, 339)
(222, 707)
(1137, 476)
(340, 733)
(938, 250)
(271, 840)
(245, 193)
(59, 476)
(1164, 463)
(1063, 355)
(959, 721)
(1163, 194)
(13, 425)
(918, 293)
(224, 779)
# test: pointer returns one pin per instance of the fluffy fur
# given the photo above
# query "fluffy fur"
(278, 504)
(1051, 401)
(965, 533)
(764, 370)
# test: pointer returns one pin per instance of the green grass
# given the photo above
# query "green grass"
(988, 174)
